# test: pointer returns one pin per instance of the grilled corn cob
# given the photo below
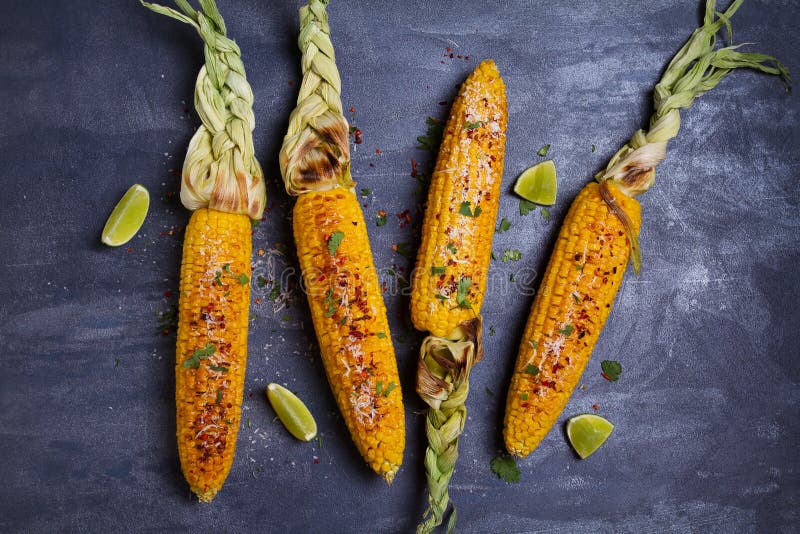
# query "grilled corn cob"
(333, 247)
(452, 266)
(599, 235)
(223, 182)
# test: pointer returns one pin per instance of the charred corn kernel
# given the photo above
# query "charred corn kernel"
(212, 345)
(453, 258)
(568, 313)
(350, 321)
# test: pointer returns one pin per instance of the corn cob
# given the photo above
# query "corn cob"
(341, 282)
(452, 266)
(599, 235)
(223, 182)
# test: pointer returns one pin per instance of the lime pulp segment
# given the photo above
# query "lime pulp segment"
(294, 415)
(587, 432)
(127, 216)
(538, 184)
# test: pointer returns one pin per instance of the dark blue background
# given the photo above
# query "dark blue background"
(94, 99)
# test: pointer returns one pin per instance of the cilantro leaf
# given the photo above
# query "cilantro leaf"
(612, 369)
(505, 467)
(381, 335)
(511, 255)
(274, 293)
(526, 206)
(404, 249)
(334, 241)
(532, 370)
(193, 362)
(452, 248)
(546, 214)
(433, 137)
(544, 150)
(261, 281)
(567, 330)
(389, 389)
(505, 224)
(366, 192)
(329, 303)
(466, 210)
(473, 125)
(462, 291)
(243, 279)
(438, 270)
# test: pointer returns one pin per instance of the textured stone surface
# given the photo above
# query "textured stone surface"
(706, 409)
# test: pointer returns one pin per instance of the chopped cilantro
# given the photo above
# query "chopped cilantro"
(334, 241)
(526, 206)
(452, 248)
(378, 387)
(404, 249)
(505, 467)
(274, 293)
(217, 278)
(366, 192)
(523, 396)
(319, 441)
(193, 362)
(567, 330)
(329, 303)
(534, 343)
(473, 125)
(438, 270)
(218, 368)
(261, 281)
(462, 291)
(380, 219)
(117, 361)
(227, 268)
(612, 369)
(546, 214)
(389, 389)
(466, 210)
(505, 224)
(594, 148)
(249, 423)
(219, 396)
(441, 297)
(243, 279)
(576, 298)
(493, 256)
(511, 277)
(491, 331)
(343, 321)
(544, 150)
(532, 370)
(432, 139)
(488, 391)
(381, 335)
(511, 255)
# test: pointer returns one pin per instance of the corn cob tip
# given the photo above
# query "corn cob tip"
(388, 476)
(205, 495)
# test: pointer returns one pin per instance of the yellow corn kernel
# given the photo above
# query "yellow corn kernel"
(212, 345)
(462, 207)
(349, 316)
(568, 313)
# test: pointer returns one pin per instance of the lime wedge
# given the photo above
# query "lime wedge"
(537, 184)
(587, 432)
(127, 217)
(292, 412)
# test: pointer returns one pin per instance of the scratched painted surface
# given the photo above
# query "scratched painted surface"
(708, 335)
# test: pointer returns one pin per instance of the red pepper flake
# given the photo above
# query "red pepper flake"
(316, 460)
(371, 164)
(129, 250)
(352, 109)
(382, 213)
(449, 49)
(595, 407)
(258, 301)
(358, 138)
(442, 62)
(459, 56)
(167, 294)
(451, 56)
(606, 377)
(377, 150)
(404, 218)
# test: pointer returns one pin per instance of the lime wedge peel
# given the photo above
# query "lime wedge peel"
(587, 432)
(127, 216)
(292, 412)
(538, 184)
